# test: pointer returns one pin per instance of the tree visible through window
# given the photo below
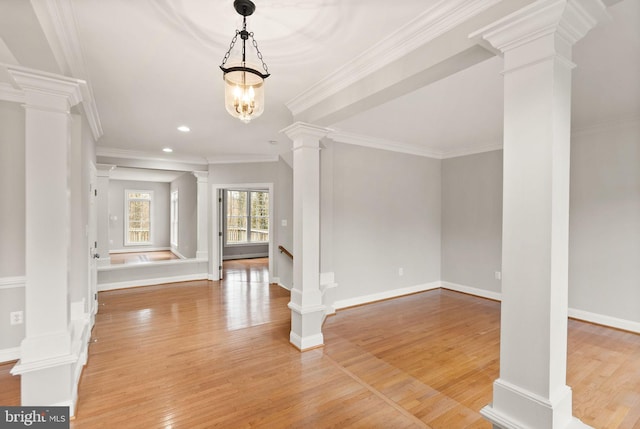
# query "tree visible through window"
(247, 217)
(138, 217)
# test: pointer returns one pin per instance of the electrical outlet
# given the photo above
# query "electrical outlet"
(498, 275)
(16, 317)
(401, 271)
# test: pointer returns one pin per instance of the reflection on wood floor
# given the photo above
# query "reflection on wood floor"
(141, 257)
(216, 354)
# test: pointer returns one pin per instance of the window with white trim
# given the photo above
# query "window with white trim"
(138, 210)
(247, 217)
(174, 218)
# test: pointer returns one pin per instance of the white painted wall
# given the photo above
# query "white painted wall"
(12, 223)
(386, 216)
(472, 220)
(187, 188)
(160, 220)
(604, 232)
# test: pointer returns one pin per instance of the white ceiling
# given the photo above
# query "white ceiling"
(153, 65)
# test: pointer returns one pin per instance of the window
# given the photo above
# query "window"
(247, 217)
(138, 211)
(174, 218)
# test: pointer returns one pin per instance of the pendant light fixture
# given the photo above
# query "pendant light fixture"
(243, 83)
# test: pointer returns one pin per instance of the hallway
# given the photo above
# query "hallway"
(216, 354)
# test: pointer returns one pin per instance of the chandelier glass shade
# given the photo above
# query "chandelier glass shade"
(243, 82)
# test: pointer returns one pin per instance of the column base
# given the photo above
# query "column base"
(306, 326)
(516, 408)
(48, 382)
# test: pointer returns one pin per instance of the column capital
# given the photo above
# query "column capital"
(202, 176)
(47, 91)
(305, 135)
(104, 170)
(570, 20)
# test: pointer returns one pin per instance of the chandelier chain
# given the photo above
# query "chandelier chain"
(255, 45)
(233, 42)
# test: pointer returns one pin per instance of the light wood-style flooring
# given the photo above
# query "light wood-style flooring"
(217, 355)
(140, 257)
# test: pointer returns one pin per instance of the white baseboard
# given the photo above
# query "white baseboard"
(245, 256)
(601, 319)
(151, 282)
(276, 280)
(178, 254)
(586, 316)
(366, 299)
(483, 293)
(7, 355)
(12, 282)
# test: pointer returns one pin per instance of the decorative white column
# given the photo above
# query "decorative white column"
(307, 311)
(536, 41)
(202, 177)
(47, 362)
(104, 171)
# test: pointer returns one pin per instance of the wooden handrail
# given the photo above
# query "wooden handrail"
(285, 251)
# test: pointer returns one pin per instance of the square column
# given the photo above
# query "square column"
(102, 188)
(202, 203)
(47, 362)
(307, 310)
(536, 41)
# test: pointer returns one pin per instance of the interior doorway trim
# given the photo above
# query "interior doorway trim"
(216, 257)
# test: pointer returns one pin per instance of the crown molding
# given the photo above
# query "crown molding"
(9, 93)
(472, 150)
(608, 125)
(58, 21)
(110, 152)
(437, 20)
(241, 159)
(377, 143)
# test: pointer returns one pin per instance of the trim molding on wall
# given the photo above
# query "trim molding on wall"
(585, 316)
(496, 296)
(245, 256)
(151, 282)
(139, 249)
(12, 282)
(395, 293)
(600, 319)
(7, 355)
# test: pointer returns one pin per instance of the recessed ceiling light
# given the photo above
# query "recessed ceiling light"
(273, 142)
(167, 149)
(184, 128)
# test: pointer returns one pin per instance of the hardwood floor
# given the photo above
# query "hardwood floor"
(216, 354)
(140, 257)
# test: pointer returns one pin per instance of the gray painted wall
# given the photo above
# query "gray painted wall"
(187, 188)
(604, 223)
(604, 228)
(160, 221)
(386, 216)
(284, 233)
(472, 220)
(12, 171)
(12, 220)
